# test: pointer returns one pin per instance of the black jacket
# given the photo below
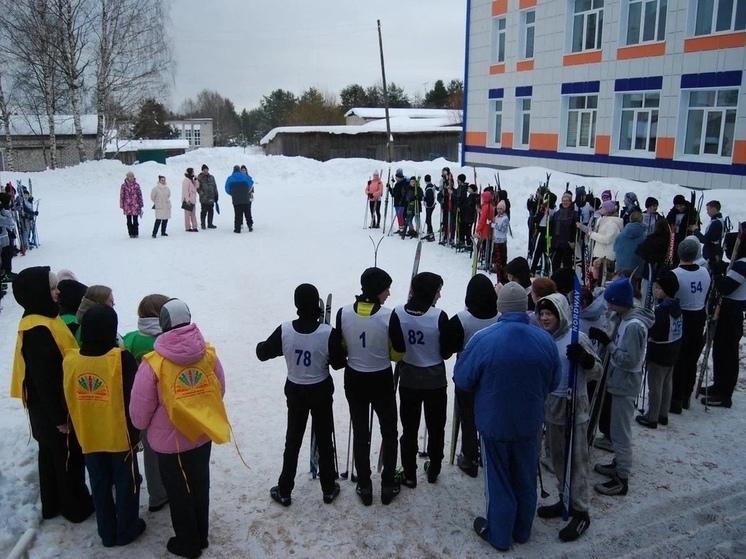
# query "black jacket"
(662, 350)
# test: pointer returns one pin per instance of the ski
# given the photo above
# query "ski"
(386, 202)
(572, 381)
(325, 318)
(599, 394)
(455, 428)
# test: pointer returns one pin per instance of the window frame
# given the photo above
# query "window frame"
(520, 115)
(525, 27)
(659, 27)
(494, 137)
(694, 11)
(652, 122)
(197, 135)
(498, 40)
(684, 124)
(586, 15)
(592, 112)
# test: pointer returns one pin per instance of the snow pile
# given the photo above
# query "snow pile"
(686, 496)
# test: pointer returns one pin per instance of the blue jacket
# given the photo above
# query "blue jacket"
(625, 245)
(239, 186)
(509, 385)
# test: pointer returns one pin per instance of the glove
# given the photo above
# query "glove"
(576, 353)
(599, 336)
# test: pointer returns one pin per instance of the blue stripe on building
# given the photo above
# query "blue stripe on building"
(497, 93)
(576, 88)
(525, 91)
(711, 79)
(639, 84)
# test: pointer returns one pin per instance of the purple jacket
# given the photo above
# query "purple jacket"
(183, 345)
(130, 198)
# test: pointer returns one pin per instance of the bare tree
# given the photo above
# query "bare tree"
(5, 114)
(132, 59)
(73, 33)
(30, 27)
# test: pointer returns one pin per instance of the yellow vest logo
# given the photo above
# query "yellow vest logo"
(92, 387)
(191, 382)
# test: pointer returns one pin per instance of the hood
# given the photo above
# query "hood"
(150, 326)
(71, 294)
(595, 310)
(563, 307)
(425, 286)
(486, 197)
(481, 298)
(31, 290)
(183, 346)
(633, 231)
(646, 316)
(98, 330)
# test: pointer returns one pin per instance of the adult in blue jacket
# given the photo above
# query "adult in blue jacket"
(510, 388)
(240, 187)
(626, 244)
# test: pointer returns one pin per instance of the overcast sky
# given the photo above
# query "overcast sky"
(245, 49)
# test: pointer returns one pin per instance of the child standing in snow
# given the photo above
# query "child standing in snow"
(500, 231)
(309, 347)
(161, 198)
(130, 201)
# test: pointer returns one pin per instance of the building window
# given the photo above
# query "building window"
(528, 24)
(197, 135)
(710, 122)
(587, 24)
(715, 16)
(499, 25)
(639, 124)
(524, 121)
(646, 21)
(581, 121)
(188, 135)
(496, 121)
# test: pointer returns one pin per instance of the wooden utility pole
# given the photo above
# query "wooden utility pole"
(390, 141)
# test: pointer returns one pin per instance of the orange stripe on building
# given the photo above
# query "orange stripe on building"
(543, 142)
(580, 58)
(603, 143)
(716, 42)
(739, 152)
(525, 65)
(664, 148)
(506, 141)
(641, 51)
(524, 4)
(499, 7)
(478, 139)
(497, 68)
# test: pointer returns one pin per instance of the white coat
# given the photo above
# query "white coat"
(161, 198)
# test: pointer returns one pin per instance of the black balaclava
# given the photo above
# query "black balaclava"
(98, 330)
(373, 282)
(425, 286)
(481, 298)
(32, 291)
(306, 299)
(71, 293)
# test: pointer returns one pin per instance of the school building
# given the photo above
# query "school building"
(640, 89)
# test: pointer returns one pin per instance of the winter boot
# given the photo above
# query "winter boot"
(645, 422)
(469, 467)
(606, 469)
(329, 497)
(408, 480)
(663, 421)
(275, 494)
(480, 527)
(615, 486)
(390, 492)
(717, 401)
(675, 407)
(551, 511)
(575, 528)
(432, 470)
(365, 494)
(176, 548)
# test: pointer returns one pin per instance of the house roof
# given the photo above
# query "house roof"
(399, 125)
(365, 112)
(37, 125)
(137, 145)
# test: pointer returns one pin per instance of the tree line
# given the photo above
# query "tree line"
(80, 57)
(284, 108)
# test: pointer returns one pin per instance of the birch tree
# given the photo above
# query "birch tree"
(5, 115)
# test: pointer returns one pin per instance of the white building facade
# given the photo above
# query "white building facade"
(640, 89)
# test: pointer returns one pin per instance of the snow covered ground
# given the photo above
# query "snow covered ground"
(686, 499)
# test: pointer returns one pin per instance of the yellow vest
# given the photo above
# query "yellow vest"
(95, 400)
(61, 334)
(192, 396)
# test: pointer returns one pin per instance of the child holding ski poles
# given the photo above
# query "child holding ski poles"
(309, 348)
(500, 230)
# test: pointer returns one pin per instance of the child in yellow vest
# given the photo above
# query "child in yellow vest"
(178, 399)
(98, 381)
(37, 380)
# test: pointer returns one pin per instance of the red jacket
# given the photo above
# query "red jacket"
(486, 213)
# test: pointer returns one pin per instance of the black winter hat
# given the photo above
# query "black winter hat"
(306, 300)
(99, 326)
(481, 298)
(374, 281)
(425, 286)
(31, 290)
(520, 270)
(546, 304)
(564, 278)
(205, 168)
(71, 293)
(679, 199)
(650, 201)
(462, 177)
(668, 283)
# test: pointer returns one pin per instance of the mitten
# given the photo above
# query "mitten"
(599, 335)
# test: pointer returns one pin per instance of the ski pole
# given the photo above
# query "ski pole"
(346, 473)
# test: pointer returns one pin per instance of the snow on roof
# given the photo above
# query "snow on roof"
(364, 112)
(137, 145)
(38, 125)
(399, 125)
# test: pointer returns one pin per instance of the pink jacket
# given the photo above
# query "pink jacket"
(375, 189)
(189, 190)
(130, 198)
(183, 345)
